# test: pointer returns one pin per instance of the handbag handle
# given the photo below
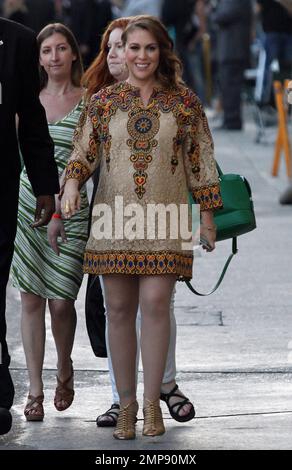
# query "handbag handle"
(220, 172)
(234, 251)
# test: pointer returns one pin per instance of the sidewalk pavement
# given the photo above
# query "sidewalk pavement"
(234, 348)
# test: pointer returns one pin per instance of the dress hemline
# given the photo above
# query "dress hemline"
(139, 263)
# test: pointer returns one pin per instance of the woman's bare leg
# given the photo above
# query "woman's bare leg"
(63, 323)
(154, 298)
(121, 297)
(33, 337)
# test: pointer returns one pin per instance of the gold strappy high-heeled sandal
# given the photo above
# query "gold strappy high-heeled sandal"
(126, 422)
(153, 421)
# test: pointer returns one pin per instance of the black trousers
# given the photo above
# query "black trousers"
(95, 316)
(94, 304)
(231, 78)
(8, 221)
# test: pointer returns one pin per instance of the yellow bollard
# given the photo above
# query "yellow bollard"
(282, 140)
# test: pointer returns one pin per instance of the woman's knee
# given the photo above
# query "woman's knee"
(120, 312)
(61, 308)
(32, 303)
(156, 303)
(156, 294)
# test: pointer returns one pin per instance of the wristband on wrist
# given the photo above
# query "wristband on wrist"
(56, 216)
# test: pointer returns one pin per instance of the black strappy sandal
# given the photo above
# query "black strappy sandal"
(185, 401)
(111, 416)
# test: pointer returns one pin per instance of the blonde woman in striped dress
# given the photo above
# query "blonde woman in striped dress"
(41, 273)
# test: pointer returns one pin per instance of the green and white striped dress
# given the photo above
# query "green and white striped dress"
(36, 268)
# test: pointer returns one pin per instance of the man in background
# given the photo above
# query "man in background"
(19, 85)
(234, 20)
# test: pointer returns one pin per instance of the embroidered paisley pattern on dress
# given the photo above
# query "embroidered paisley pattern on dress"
(143, 125)
(150, 155)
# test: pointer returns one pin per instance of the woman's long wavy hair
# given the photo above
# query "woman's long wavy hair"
(77, 67)
(98, 76)
(169, 71)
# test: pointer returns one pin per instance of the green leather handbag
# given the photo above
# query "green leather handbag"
(235, 218)
(237, 215)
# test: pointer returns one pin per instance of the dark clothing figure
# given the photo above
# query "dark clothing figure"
(180, 16)
(233, 18)
(19, 16)
(94, 302)
(277, 27)
(101, 16)
(88, 20)
(80, 21)
(275, 17)
(40, 13)
(95, 316)
(20, 89)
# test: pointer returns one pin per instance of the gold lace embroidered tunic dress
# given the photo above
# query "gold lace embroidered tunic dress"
(152, 154)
